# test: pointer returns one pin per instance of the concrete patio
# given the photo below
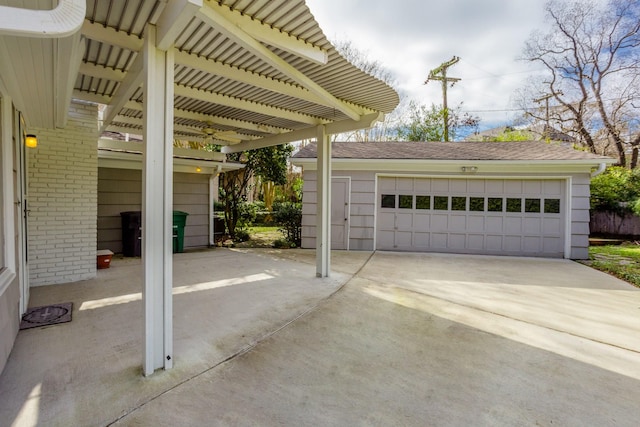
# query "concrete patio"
(411, 339)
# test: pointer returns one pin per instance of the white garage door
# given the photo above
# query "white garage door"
(483, 216)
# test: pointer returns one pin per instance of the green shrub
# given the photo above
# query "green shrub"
(248, 212)
(242, 235)
(288, 215)
(283, 244)
(617, 190)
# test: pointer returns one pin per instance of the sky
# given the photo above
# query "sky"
(412, 37)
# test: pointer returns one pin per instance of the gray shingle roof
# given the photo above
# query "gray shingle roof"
(520, 150)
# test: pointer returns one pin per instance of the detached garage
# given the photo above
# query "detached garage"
(499, 198)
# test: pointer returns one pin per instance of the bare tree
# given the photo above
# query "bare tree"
(381, 131)
(591, 54)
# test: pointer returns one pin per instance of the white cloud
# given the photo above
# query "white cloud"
(411, 37)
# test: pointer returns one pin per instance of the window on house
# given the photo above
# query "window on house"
(388, 201)
(532, 205)
(441, 203)
(458, 203)
(514, 205)
(552, 206)
(405, 201)
(494, 204)
(476, 204)
(423, 202)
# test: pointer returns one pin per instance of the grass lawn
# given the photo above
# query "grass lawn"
(261, 237)
(622, 261)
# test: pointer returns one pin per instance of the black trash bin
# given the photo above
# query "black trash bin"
(179, 221)
(131, 234)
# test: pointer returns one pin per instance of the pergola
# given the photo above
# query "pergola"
(244, 73)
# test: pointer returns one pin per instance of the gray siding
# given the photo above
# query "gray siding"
(120, 190)
(363, 206)
(361, 218)
(580, 193)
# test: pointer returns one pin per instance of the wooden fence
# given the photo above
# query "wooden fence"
(611, 224)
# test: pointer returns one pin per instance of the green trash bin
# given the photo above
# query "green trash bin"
(179, 221)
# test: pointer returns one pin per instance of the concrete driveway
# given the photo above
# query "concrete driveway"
(410, 339)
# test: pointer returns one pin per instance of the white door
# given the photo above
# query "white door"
(340, 213)
(484, 216)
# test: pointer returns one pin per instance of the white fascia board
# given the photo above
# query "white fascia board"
(455, 166)
(134, 147)
(62, 21)
(348, 125)
(123, 160)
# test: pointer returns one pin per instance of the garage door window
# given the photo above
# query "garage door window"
(552, 206)
(440, 203)
(406, 201)
(476, 204)
(514, 205)
(423, 202)
(388, 201)
(494, 204)
(532, 205)
(458, 203)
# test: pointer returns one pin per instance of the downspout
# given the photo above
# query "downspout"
(601, 168)
(65, 20)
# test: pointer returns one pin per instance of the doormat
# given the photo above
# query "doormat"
(47, 315)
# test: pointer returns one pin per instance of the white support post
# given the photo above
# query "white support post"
(213, 189)
(323, 204)
(157, 205)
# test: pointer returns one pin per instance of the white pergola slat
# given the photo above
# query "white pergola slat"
(261, 70)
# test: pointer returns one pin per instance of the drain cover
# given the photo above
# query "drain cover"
(47, 315)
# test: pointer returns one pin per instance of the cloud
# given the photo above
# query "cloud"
(411, 37)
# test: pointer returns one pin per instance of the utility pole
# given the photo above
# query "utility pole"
(545, 98)
(440, 73)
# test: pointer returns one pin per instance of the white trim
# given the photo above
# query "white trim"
(454, 166)
(157, 205)
(365, 121)
(64, 20)
(213, 188)
(568, 234)
(323, 204)
(8, 266)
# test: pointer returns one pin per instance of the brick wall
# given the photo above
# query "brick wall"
(62, 197)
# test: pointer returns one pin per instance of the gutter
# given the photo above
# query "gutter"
(601, 168)
(64, 20)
